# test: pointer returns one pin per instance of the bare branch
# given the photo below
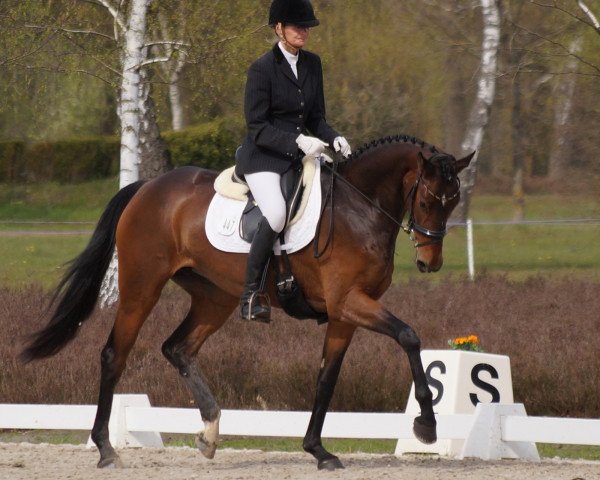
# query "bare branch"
(93, 57)
(242, 35)
(61, 70)
(562, 47)
(584, 8)
(30, 53)
(151, 61)
(70, 30)
(114, 11)
(167, 42)
(556, 6)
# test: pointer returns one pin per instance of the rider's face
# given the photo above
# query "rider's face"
(293, 36)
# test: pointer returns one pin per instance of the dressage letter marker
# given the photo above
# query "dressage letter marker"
(459, 380)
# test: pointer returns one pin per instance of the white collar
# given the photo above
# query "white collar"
(292, 59)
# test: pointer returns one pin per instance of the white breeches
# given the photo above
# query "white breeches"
(266, 188)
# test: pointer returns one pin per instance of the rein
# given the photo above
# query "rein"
(436, 236)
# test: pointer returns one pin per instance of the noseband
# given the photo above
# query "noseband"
(436, 236)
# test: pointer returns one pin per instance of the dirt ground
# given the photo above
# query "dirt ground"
(26, 461)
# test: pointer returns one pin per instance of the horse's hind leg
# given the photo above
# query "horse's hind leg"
(135, 305)
(209, 310)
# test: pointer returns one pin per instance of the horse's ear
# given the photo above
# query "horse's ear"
(423, 162)
(463, 163)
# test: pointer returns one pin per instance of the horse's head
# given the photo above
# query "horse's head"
(434, 194)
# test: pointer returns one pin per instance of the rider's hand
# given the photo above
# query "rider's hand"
(340, 144)
(311, 145)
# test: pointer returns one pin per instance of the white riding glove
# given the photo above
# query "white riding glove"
(340, 144)
(311, 145)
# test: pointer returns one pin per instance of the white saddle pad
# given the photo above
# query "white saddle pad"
(223, 218)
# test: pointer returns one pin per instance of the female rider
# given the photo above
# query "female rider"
(284, 108)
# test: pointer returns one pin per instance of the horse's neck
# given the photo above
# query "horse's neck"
(382, 178)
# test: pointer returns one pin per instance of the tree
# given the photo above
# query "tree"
(572, 47)
(557, 164)
(479, 115)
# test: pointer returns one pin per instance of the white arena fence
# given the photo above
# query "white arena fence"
(493, 431)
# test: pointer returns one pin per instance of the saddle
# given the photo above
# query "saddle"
(295, 186)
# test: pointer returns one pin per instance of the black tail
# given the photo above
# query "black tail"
(81, 283)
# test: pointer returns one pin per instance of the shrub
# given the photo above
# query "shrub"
(12, 161)
(210, 145)
(73, 160)
(555, 370)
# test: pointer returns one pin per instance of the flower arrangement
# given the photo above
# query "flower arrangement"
(470, 343)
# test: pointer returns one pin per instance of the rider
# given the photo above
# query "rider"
(283, 102)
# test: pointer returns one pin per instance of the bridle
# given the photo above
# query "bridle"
(435, 236)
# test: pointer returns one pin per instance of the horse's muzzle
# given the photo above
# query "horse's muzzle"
(427, 267)
(433, 265)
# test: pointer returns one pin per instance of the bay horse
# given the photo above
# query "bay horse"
(158, 230)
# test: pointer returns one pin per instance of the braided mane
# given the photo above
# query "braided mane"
(391, 139)
(445, 161)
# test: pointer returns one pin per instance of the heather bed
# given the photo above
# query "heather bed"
(546, 327)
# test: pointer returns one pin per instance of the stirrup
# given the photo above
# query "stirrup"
(257, 300)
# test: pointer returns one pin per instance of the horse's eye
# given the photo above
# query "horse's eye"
(423, 205)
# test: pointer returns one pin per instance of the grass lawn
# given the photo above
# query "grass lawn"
(516, 251)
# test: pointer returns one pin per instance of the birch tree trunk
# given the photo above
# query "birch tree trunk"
(479, 115)
(518, 133)
(178, 119)
(130, 105)
(130, 108)
(172, 72)
(152, 147)
(566, 90)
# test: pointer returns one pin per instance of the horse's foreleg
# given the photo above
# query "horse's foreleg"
(337, 340)
(363, 311)
(204, 318)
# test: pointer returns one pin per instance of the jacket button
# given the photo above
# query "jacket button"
(298, 128)
(301, 104)
(300, 116)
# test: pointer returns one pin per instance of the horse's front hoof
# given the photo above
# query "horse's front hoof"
(110, 462)
(425, 433)
(330, 464)
(206, 448)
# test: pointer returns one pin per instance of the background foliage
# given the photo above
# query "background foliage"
(390, 67)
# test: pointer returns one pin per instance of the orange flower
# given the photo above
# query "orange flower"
(470, 343)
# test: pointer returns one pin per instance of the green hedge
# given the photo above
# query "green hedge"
(210, 145)
(65, 161)
(12, 162)
(73, 160)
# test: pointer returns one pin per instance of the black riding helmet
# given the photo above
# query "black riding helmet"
(295, 12)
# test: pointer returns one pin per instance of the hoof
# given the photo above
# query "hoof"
(424, 433)
(330, 464)
(112, 462)
(207, 449)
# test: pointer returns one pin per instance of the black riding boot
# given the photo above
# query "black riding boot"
(251, 307)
